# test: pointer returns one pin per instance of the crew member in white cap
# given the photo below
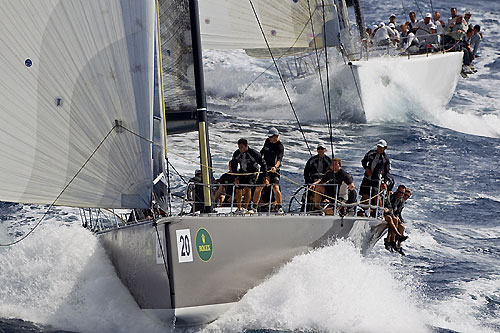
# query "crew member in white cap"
(384, 35)
(272, 153)
(376, 164)
(423, 27)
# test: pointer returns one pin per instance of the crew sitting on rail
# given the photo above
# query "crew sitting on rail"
(223, 194)
(249, 161)
(384, 35)
(408, 42)
(391, 219)
(195, 192)
(454, 32)
(317, 165)
(326, 187)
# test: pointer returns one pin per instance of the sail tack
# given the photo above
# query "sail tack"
(70, 70)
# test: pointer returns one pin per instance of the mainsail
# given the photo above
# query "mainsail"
(71, 70)
(178, 72)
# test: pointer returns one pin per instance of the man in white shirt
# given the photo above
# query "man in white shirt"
(384, 35)
(438, 22)
(423, 27)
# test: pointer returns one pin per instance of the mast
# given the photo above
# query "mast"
(360, 20)
(201, 104)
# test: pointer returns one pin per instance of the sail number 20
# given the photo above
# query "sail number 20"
(184, 249)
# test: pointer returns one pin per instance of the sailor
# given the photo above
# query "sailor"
(468, 52)
(224, 191)
(272, 154)
(317, 165)
(377, 167)
(384, 35)
(249, 161)
(392, 19)
(195, 192)
(411, 23)
(329, 184)
(408, 42)
(423, 28)
(439, 23)
(476, 40)
(467, 17)
(398, 203)
(393, 233)
(395, 39)
(453, 13)
(455, 31)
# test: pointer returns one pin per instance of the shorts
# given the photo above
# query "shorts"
(274, 178)
(367, 185)
(246, 180)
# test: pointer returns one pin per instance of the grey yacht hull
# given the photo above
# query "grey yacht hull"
(212, 261)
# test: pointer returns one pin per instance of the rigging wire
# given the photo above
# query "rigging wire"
(319, 68)
(327, 80)
(281, 78)
(418, 7)
(63, 190)
(432, 7)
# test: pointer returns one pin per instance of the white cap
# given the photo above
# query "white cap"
(382, 143)
(381, 24)
(428, 15)
(392, 15)
(391, 25)
(272, 132)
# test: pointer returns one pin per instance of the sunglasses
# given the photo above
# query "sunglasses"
(401, 192)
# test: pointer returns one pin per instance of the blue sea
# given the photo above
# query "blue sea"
(60, 279)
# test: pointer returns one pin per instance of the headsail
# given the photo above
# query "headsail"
(70, 69)
(231, 24)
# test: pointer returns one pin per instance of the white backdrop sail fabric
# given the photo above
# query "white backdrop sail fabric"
(231, 24)
(69, 69)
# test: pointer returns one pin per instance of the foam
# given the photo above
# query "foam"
(330, 289)
(61, 276)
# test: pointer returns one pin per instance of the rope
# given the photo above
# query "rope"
(63, 190)
(280, 76)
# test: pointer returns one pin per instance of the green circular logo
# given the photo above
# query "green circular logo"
(204, 244)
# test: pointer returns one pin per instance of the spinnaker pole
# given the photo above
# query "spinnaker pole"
(201, 105)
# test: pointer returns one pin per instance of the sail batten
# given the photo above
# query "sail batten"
(70, 69)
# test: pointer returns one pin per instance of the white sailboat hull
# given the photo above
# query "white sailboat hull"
(428, 81)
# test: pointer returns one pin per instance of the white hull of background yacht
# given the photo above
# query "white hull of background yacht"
(425, 80)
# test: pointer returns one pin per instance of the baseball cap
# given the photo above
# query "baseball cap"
(392, 15)
(391, 25)
(272, 132)
(321, 145)
(382, 143)
(428, 15)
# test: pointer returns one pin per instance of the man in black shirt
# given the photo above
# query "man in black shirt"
(224, 192)
(376, 165)
(249, 161)
(272, 153)
(317, 165)
(331, 181)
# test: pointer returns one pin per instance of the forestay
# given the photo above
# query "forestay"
(70, 68)
(231, 24)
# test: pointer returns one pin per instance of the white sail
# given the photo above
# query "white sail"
(231, 24)
(69, 69)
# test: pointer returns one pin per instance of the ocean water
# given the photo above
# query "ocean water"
(59, 278)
